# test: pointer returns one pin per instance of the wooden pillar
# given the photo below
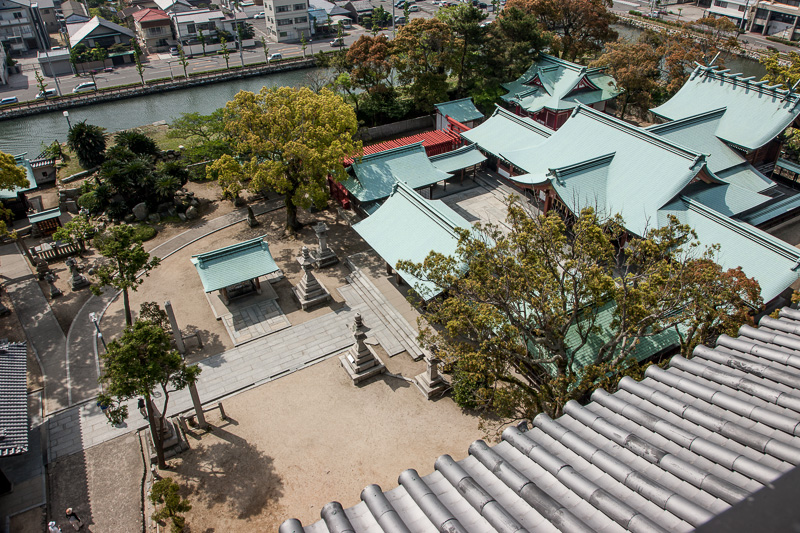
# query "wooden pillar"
(398, 279)
(223, 293)
(257, 283)
(389, 270)
(548, 201)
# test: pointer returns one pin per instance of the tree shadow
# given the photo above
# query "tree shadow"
(233, 473)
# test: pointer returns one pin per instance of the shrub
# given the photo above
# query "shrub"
(143, 232)
(89, 201)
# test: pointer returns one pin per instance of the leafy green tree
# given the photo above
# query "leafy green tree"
(11, 176)
(183, 61)
(423, 54)
(137, 364)
(76, 231)
(127, 259)
(166, 492)
(533, 297)
(204, 135)
(40, 83)
(99, 54)
(229, 174)
(293, 151)
(464, 20)
(139, 66)
(303, 43)
(786, 73)
(246, 31)
(202, 38)
(265, 48)
(225, 52)
(137, 142)
(89, 144)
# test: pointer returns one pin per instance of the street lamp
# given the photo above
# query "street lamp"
(95, 321)
(69, 126)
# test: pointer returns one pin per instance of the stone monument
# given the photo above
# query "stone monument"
(77, 281)
(431, 382)
(309, 291)
(251, 217)
(55, 292)
(42, 268)
(323, 256)
(361, 361)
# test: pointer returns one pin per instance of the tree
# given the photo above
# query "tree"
(295, 139)
(139, 66)
(303, 43)
(369, 76)
(11, 177)
(582, 26)
(183, 61)
(100, 54)
(778, 71)
(229, 174)
(423, 54)
(137, 142)
(464, 20)
(166, 491)
(225, 52)
(634, 67)
(88, 142)
(40, 83)
(202, 38)
(127, 260)
(204, 135)
(533, 298)
(246, 31)
(266, 49)
(137, 364)
(76, 231)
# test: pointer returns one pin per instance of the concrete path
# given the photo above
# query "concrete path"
(42, 330)
(81, 342)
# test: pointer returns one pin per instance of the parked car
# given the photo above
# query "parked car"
(275, 57)
(412, 9)
(174, 51)
(86, 87)
(47, 93)
(8, 100)
(108, 69)
(401, 4)
(259, 15)
(339, 41)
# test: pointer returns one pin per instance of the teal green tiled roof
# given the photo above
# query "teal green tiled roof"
(773, 210)
(427, 225)
(377, 173)
(754, 113)
(506, 131)
(728, 199)
(234, 264)
(595, 160)
(559, 79)
(747, 177)
(772, 262)
(41, 216)
(460, 158)
(461, 110)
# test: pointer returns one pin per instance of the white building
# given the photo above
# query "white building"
(287, 20)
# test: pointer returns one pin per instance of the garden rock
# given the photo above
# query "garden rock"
(182, 217)
(192, 213)
(154, 218)
(140, 211)
(130, 218)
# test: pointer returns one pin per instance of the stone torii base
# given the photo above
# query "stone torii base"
(361, 361)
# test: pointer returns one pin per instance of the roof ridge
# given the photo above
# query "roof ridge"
(588, 163)
(460, 149)
(390, 151)
(520, 120)
(755, 234)
(742, 81)
(427, 206)
(666, 126)
(563, 62)
(227, 249)
(641, 133)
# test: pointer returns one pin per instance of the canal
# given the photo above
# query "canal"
(27, 134)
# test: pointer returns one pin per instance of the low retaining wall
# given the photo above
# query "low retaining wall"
(396, 128)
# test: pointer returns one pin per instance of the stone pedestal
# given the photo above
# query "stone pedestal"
(77, 281)
(309, 291)
(55, 292)
(361, 361)
(323, 255)
(431, 382)
(251, 217)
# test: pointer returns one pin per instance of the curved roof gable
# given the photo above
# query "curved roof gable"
(755, 113)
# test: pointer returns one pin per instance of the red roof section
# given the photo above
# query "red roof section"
(435, 142)
(149, 15)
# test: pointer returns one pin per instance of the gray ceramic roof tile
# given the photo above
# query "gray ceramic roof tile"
(13, 399)
(668, 452)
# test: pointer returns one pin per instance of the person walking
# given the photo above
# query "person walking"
(53, 528)
(73, 519)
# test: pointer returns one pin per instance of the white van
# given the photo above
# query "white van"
(276, 57)
(89, 86)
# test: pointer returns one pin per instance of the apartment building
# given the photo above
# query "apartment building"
(287, 20)
(21, 26)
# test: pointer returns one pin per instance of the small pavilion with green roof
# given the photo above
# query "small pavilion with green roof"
(462, 111)
(235, 270)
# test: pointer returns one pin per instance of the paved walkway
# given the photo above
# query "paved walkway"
(248, 365)
(81, 341)
(42, 330)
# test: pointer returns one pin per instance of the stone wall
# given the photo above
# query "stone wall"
(396, 128)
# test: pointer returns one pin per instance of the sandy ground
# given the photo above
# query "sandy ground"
(101, 484)
(177, 281)
(295, 444)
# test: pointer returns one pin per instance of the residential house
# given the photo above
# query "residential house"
(75, 20)
(3, 71)
(708, 444)
(70, 7)
(358, 9)
(100, 33)
(153, 29)
(173, 6)
(48, 11)
(54, 62)
(188, 25)
(21, 26)
(287, 20)
(551, 88)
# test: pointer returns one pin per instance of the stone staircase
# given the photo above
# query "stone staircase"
(404, 335)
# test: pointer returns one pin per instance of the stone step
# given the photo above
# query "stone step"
(387, 334)
(392, 319)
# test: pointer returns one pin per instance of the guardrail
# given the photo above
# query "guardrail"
(151, 87)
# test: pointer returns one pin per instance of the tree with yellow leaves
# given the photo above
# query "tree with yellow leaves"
(294, 139)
